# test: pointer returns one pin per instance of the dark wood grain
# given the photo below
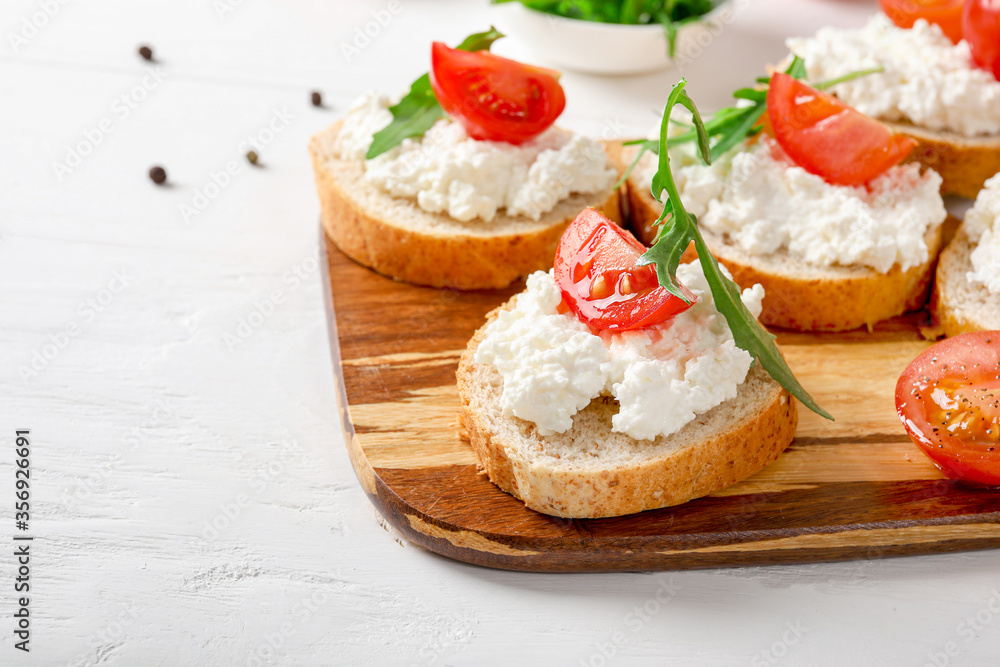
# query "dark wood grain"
(853, 489)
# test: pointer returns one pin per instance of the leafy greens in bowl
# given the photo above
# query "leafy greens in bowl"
(564, 31)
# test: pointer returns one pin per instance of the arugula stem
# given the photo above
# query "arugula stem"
(678, 229)
(829, 83)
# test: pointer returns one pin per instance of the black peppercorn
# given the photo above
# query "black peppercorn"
(146, 52)
(158, 175)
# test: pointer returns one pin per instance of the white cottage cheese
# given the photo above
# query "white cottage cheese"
(982, 224)
(447, 172)
(663, 377)
(927, 81)
(763, 202)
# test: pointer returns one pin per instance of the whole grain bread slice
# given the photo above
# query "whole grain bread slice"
(399, 239)
(800, 296)
(964, 163)
(591, 472)
(960, 306)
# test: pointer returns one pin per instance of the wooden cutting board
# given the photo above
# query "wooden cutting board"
(851, 489)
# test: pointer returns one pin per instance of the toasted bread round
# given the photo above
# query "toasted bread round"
(964, 163)
(591, 472)
(399, 239)
(803, 297)
(959, 306)
(800, 296)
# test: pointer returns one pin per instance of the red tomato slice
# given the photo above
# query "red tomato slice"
(949, 401)
(595, 269)
(494, 98)
(981, 26)
(826, 137)
(945, 13)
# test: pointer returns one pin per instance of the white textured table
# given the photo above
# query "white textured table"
(167, 348)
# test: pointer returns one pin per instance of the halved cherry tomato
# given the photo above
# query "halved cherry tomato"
(826, 137)
(595, 269)
(945, 13)
(981, 26)
(949, 401)
(494, 98)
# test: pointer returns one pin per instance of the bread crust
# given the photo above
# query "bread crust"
(834, 299)
(957, 305)
(964, 163)
(764, 428)
(801, 297)
(369, 228)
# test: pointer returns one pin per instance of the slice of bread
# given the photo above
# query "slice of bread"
(591, 472)
(964, 163)
(800, 296)
(959, 306)
(399, 239)
(803, 297)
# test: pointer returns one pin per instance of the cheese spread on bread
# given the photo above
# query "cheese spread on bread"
(445, 171)
(928, 81)
(759, 199)
(982, 225)
(663, 377)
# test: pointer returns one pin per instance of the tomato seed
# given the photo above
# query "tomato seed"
(601, 288)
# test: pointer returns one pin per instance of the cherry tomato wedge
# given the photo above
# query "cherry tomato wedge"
(826, 137)
(981, 27)
(494, 98)
(949, 401)
(945, 13)
(596, 270)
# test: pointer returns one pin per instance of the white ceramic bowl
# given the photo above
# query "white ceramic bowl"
(607, 48)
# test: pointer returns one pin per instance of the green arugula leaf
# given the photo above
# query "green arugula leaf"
(748, 334)
(752, 94)
(413, 115)
(678, 229)
(480, 41)
(797, 68)
(734, 124)
(672, 239)
(738, 130)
